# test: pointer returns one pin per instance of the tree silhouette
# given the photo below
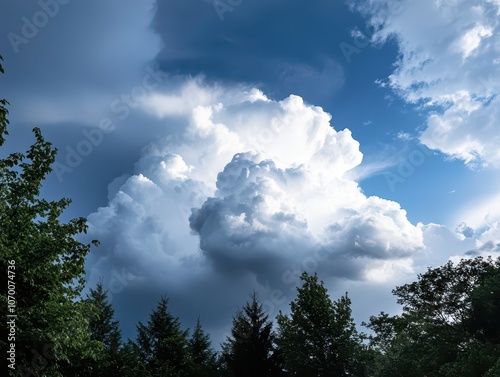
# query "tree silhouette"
(203, 359)
(117, 359)
(250, 350)
(163, 345)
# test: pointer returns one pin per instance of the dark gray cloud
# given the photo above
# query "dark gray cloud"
(283, 46)
(66, 62)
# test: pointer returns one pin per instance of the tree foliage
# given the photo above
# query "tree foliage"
(250, 350)
(117, 359)
(449, 324)
(163, 346)
(103, 326)
(203, 359)
(52, 328)
(319, 337)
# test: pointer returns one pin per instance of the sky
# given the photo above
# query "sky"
(221, 147)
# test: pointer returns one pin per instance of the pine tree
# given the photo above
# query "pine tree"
(163, 345)
(117, 359)
(319, 338)
(203, 358)
(103, 327)
(250, 351)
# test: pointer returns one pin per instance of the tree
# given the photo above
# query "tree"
(46, 267)
(449, 323)
(319, 337)
(485, 309)
(442, 300)
(163, 346)
(103, 327)
(395, 352)
(250, 350)
(203, 359)
(117, 359)
(442, 294)
(3, 112)
(494, 371)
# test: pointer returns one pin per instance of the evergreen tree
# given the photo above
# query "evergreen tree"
(250, 351)
(319, 337)
(129, 359)
(103, 327)
(46, 267)
(163, 346)
(117, 359)
(203, 358)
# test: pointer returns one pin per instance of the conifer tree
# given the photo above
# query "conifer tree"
(203, 358)
(103, 326)
(250, 351)
(117, 359)
(163, 346)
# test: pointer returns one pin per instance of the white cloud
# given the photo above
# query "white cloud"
(472, 39)
(404, 136)
(389, 270)
(489, 242)
(482, 212)
(261, 183)
(192, 93)
(451, 61)
(246, 193)
(441, 243)
(466, 130)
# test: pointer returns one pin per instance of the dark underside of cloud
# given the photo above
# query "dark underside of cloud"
(279, 43)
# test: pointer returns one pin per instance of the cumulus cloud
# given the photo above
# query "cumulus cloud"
(264, 179)
(244, 192)
(450, 62)
(484, 211)
(489, 242)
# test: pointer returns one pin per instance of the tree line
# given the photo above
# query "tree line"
(449, 324)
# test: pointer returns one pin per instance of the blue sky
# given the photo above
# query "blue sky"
(221, 147)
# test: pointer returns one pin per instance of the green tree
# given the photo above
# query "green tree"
(250, 350)
(203, 359)
(448, 326)
(163, 346)
(47, 266)
(117, 359)
(3, 113)
(494, 371)
(485, 309)
(319, 337)
(103, 327)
